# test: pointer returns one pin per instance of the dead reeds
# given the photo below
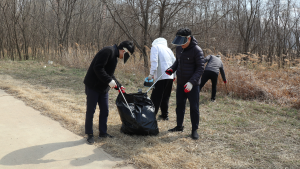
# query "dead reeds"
(233, 133)
(252, 78)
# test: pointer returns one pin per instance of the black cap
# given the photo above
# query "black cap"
(129, 45)
(182, 36)
(180, 40)
(184, 32)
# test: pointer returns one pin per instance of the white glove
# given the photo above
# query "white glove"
(112, 84)
(188, 87)
(150, 77)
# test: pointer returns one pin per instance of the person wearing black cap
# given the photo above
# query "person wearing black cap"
(211, 72)
(189, 67)
(98, 80)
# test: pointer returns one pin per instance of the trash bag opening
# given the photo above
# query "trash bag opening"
(136, 98)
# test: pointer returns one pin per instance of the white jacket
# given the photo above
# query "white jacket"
(161, 58)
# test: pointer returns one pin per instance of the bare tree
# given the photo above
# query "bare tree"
(64, 11)
(2, 52)
(245, 20)
(140, 12)
(167, 11)
(45, 29)
(5, 9)
(24, 7)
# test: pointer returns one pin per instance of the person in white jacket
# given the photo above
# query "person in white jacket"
(161, 58)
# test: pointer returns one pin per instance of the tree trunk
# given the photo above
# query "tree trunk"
(1, 49)
(17, 43)
(146, 67)
(270, 55)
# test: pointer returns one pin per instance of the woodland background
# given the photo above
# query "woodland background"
(72, 31)
(47, 45)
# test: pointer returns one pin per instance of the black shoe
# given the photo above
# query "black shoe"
(105, 135)
(195, 135)
(163, 117)
(90, 139)
(176, 129)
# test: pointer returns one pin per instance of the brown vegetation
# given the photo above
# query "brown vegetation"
(253, 79)
(253, 124)
(233, 133)
(38, 29)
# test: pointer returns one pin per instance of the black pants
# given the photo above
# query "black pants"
(181, 98)
(92, 98)
(213, 76)
(161, 95)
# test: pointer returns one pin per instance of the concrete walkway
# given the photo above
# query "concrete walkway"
(31, 140)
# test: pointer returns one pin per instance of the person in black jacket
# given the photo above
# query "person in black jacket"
(211, 72)
(189, 65)
(98, 80)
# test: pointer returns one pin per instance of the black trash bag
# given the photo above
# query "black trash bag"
(142, 120)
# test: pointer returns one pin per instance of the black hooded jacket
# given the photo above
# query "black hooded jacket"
(102, 68)
(189, 64)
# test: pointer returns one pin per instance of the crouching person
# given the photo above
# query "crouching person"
(189, 67)
(211, 72)
(98, 80)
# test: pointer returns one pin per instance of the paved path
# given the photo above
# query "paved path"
(31, 140)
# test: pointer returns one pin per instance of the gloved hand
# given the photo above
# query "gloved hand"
(225, 81)
(122, 89)
(150, 77)
(174, 79)
(169, 71)
(188, 87)
(112, 84)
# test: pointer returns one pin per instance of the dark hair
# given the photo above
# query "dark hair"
(128, 45)
(184, 32)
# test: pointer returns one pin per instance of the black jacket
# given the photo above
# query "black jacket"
(189, 64)
(102, 68)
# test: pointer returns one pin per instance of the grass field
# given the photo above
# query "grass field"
(234, 132)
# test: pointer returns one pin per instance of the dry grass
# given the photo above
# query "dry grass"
(249, 76)
(255, 80)
(233, 133)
